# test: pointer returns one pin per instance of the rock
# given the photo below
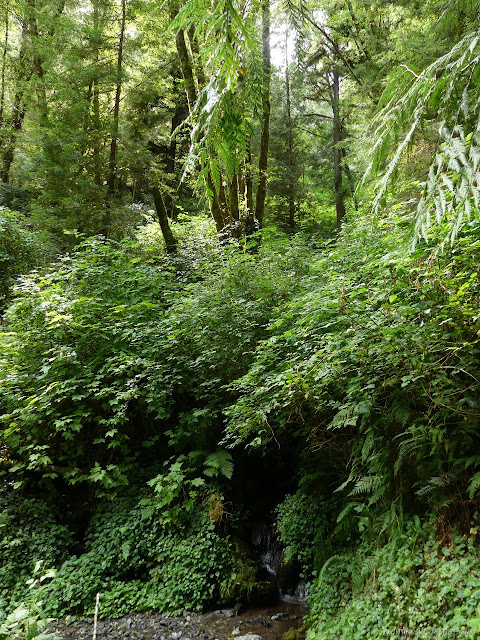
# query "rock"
(250, 636)
(237, 631)
(282, 615)
(263, 621)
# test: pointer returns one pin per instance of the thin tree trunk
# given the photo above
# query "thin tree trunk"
(112, 162)
(38, 65)
(250, 215)
(265, 134)
(224, 203)
(291, 184)
(170, 240)
(187, 69)
(18, 107)
(196, 57)
(215, 208)
(26, 68)
(38, 59)
(97, 175)
(233, 195)
(178, 117)
(337, 155)
(4, 64)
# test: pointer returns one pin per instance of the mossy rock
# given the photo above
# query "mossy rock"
(295, 634)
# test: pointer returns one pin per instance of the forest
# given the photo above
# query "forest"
(240, 300)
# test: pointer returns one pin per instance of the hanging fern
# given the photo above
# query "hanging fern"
(444, 93)
(224, 116)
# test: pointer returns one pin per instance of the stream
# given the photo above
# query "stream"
(262, 623)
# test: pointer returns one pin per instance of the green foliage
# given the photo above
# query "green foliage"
(99, 350)
(414, 584)
(20, 250)
(324, 373)
(85, 386)
(304, 524)
(138, 561)
(28, 620)
(25, 624)
(30, 533)
(121, 367)
(443, 94)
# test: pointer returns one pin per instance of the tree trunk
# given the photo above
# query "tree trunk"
(27, 65)
(265, 134)
(233, 194)
(215, 208)
(250, 215)
(97, 31)
(187, 69)
(4, 64)
(181, 111)
(337, 154)
(18, 107)
(202, 81)
(112, 161)
(38, 65)
(170, 240)
(224, 203)
(291, 176)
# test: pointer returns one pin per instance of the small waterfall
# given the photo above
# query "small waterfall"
(269, 552)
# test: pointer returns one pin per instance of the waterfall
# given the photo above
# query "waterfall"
(270, 554)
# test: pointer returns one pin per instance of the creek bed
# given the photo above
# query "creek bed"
(262, 623)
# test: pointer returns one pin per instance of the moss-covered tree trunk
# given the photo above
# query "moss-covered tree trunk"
(170, 240)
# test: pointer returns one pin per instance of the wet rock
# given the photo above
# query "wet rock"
(282, 615)
(263, 621)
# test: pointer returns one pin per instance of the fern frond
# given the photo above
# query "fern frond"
(405, 451)
(366, 485)
(445, 91)
(474, 486)
(219, 463)
(363, 570)
(436, 482)
(401, 410)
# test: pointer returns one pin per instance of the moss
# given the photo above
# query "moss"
(295, 634)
